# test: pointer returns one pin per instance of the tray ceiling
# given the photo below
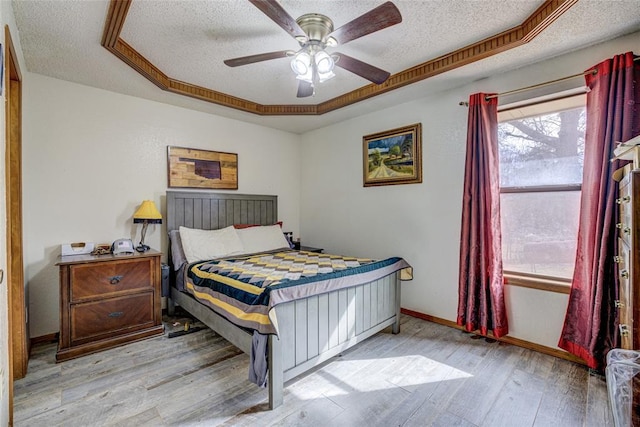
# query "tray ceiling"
(179, 46)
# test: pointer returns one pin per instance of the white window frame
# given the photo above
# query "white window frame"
(531, 108)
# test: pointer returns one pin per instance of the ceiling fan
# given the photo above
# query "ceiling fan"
(312, 64)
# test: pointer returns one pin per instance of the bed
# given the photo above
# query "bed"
(310, 330)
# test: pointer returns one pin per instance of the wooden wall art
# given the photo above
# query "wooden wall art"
(193, 168)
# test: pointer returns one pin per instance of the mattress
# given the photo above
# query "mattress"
(245, 289)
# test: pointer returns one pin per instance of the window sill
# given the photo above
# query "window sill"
(549, 284)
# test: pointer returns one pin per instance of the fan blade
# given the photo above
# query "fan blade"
(369, 72)
(273, 10)
(244, 60)
(304, 89)
(381, 17)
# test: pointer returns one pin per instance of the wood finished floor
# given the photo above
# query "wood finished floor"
(428, 375)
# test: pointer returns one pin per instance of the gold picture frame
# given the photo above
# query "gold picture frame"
(393, 156)
(195, 168)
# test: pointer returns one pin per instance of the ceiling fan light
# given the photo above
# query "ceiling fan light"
(301, 63)
(323, 77)
(324, 62)
(307, 77)
(331, 42)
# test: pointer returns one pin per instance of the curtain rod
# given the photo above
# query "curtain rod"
(524, 89)
(536, 86)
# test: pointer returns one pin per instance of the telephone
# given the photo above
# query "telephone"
(122, 247)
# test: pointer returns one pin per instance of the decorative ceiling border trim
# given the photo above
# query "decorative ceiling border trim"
(544, 16)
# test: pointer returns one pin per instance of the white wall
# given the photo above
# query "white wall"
(91, 156)
(421, 222)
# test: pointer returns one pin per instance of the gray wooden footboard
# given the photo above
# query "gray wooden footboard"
(314, 329)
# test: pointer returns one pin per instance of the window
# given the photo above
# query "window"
(541, 150)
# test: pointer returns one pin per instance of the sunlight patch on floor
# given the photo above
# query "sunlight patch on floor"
(419, 370)
(405, 372)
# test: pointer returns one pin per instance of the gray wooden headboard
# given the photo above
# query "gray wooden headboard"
(211, 211)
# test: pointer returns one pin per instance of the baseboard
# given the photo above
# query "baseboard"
(506, 339)
(45, 339)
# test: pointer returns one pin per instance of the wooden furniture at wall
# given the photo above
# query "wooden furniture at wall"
(628, 262)
(627, 259)
(107, 301)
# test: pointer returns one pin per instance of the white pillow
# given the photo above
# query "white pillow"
(262, 238)
(199, 245)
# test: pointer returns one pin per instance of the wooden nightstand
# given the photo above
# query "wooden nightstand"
(107, 301)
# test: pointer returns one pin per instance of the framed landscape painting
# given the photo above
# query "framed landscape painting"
(393, 156)
(193, 168)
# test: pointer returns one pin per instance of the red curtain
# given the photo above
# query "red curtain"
(481, 287)
(612, 115)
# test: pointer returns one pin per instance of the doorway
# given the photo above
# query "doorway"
(18, 327)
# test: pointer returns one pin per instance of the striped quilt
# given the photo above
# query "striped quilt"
(245, 289)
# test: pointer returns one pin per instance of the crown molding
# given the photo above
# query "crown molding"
(539, 20)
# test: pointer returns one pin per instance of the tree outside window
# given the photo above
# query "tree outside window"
(541, 158)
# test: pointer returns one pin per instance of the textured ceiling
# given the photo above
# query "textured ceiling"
(189, 39)
(200, 34)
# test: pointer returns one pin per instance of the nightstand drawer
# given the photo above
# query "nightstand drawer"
(100, 318)
(105, 279)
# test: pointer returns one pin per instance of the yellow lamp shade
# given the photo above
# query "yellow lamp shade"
(147, 212)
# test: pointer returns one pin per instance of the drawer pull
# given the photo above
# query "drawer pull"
(617, 259)
(618, 303)
(624, 199)
(624, 330)
(624, 274)
(625, 229)
(116, 314)
(115, 279)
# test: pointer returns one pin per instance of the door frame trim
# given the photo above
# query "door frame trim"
(17, 313)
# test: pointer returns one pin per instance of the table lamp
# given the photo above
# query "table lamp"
(146, 214)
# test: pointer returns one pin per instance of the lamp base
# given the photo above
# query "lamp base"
(142, 247)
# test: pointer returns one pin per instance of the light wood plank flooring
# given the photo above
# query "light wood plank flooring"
(428, 375)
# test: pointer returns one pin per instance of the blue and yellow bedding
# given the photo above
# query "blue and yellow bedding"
(245, 289)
